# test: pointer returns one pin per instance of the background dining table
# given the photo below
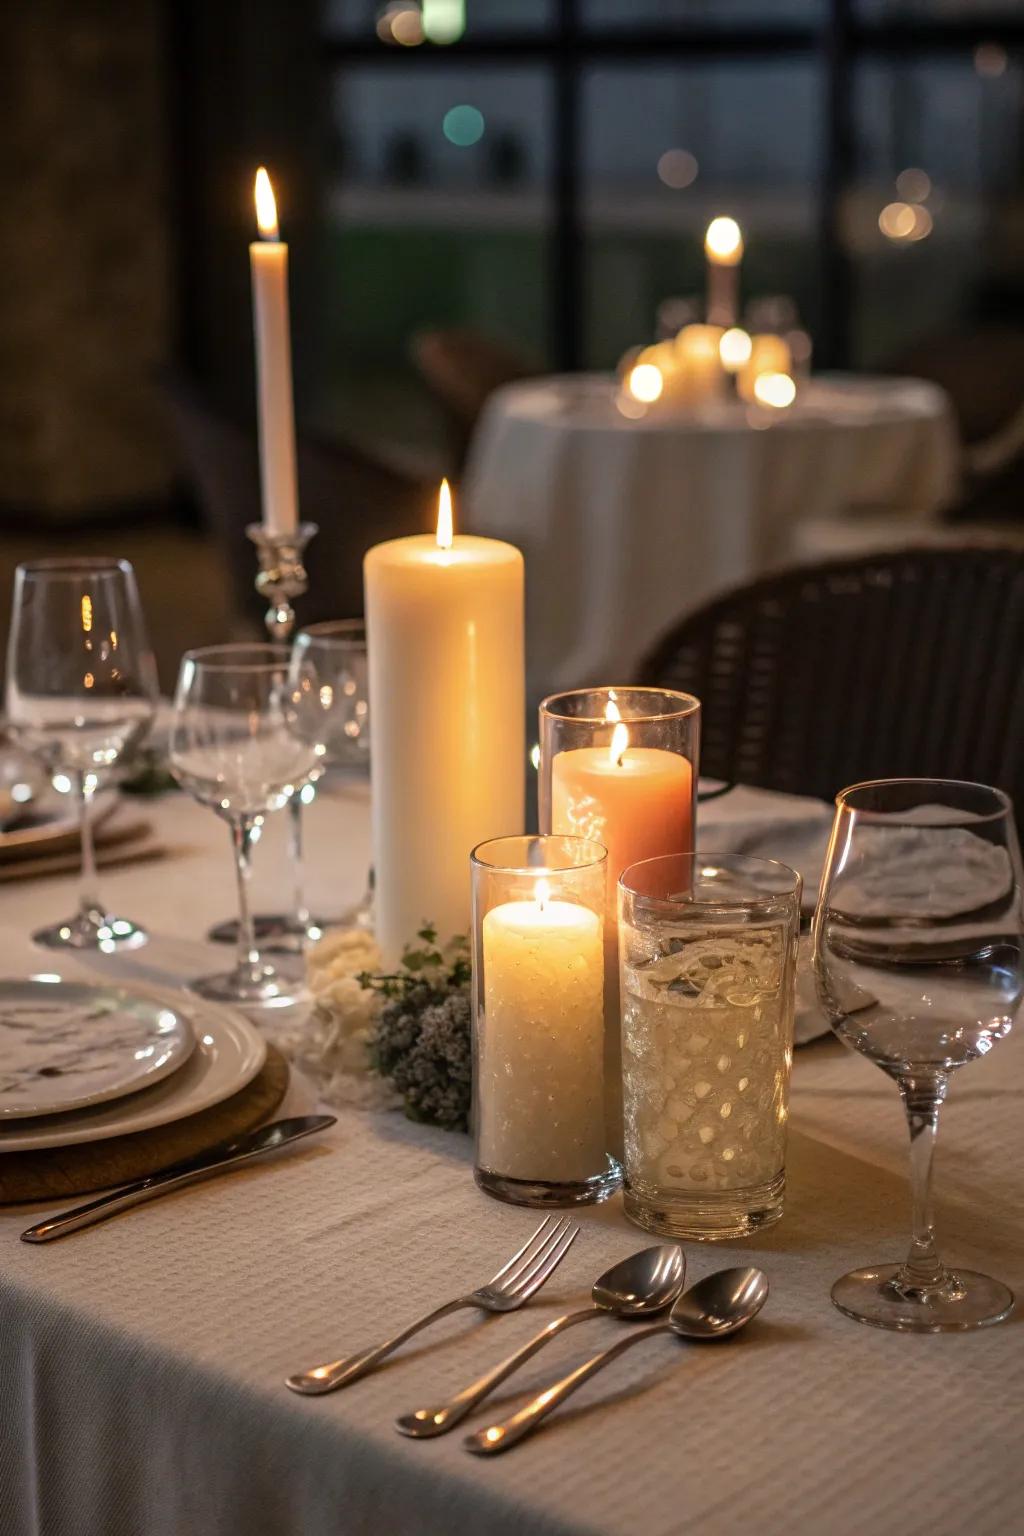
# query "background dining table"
(142, 1362)
(627, 524)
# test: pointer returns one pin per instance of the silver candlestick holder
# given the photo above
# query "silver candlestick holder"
(281, 575)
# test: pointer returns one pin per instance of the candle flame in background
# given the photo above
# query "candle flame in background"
(266, 206)
(445, 534)
(543, 893)
(723, 243)
(535, 756)
(734, 349)
(904, 223)
(620, 741)
(645, 383)
(775, 389)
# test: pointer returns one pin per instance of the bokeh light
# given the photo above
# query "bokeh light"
(444, 21)
(734, 349)
(774, 389)
(645, 383)
(903, 223)
(990, 60)
(463, 125)
(677, 168)
(914, 184)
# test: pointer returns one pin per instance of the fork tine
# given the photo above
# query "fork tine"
(525, 1266)
(526, 1246)
(548, 1265)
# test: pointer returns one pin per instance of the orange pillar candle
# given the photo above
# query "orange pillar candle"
(629, 784)
(637, 801)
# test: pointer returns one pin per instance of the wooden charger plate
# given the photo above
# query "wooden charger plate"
(61, 1171)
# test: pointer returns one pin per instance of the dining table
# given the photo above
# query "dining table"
(629, 520)
(142, 1361)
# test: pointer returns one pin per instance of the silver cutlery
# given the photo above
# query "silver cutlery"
(716, 1306)
(514, 1284)
(640, 1286)
(229, 1154)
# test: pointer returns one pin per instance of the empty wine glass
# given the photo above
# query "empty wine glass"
(234, 747)
(330, 667)
(919, 964)
(81, 694)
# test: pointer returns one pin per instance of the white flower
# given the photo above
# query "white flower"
(333, 1044)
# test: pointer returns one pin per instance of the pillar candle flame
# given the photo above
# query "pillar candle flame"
(620, 741)
(445, 533)
(543, 893)
(266, 206)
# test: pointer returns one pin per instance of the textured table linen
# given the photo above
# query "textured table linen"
(628, 525)
(141, 1362)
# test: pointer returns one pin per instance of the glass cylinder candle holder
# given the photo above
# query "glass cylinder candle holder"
(619, 766)
(708, 958)
(538, 1021)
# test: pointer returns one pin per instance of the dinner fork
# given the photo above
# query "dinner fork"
(514, 1284)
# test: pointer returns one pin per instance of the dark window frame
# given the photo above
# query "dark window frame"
(838, 40)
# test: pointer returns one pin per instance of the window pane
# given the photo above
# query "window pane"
(437, 217)
(934, 221)
(675, 15)
(665, 150)
(934, 10)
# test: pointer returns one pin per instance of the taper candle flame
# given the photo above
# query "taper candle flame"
(620, 741)
(723, 243)
(445, 534)
(266, 206)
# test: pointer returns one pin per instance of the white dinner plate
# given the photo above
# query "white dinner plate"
(229, 1051)
(65, 1045)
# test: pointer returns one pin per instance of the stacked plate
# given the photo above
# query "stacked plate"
(39, 835)
(82, 1063)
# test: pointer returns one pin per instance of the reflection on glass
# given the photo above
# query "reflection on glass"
(919, 964)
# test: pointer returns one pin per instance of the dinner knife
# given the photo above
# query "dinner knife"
(228, 1154)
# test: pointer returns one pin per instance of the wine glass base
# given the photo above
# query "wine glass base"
(264, 990)
(105, 935)
(278, 933)
(967, 1300)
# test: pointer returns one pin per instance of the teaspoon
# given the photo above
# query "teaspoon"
(640, 1286)
(716, 1306)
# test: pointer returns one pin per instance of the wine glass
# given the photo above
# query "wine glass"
(81, 695)
(234, 747)
(919, 964)
(330, 670)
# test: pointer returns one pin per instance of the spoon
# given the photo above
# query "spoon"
(640, 1286)
(716, 1306)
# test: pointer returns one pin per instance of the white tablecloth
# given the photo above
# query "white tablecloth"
(141, 1362)
(628, 525)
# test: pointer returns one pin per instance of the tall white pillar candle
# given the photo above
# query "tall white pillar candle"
(444, 619)
(268, 268)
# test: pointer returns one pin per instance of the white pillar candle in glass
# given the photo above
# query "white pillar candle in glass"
(539, 983)
(445, 647)
(268, 267)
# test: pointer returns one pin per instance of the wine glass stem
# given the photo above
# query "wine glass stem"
(295, 805)
(921, 1100)
(242, 839)
(88, 900)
